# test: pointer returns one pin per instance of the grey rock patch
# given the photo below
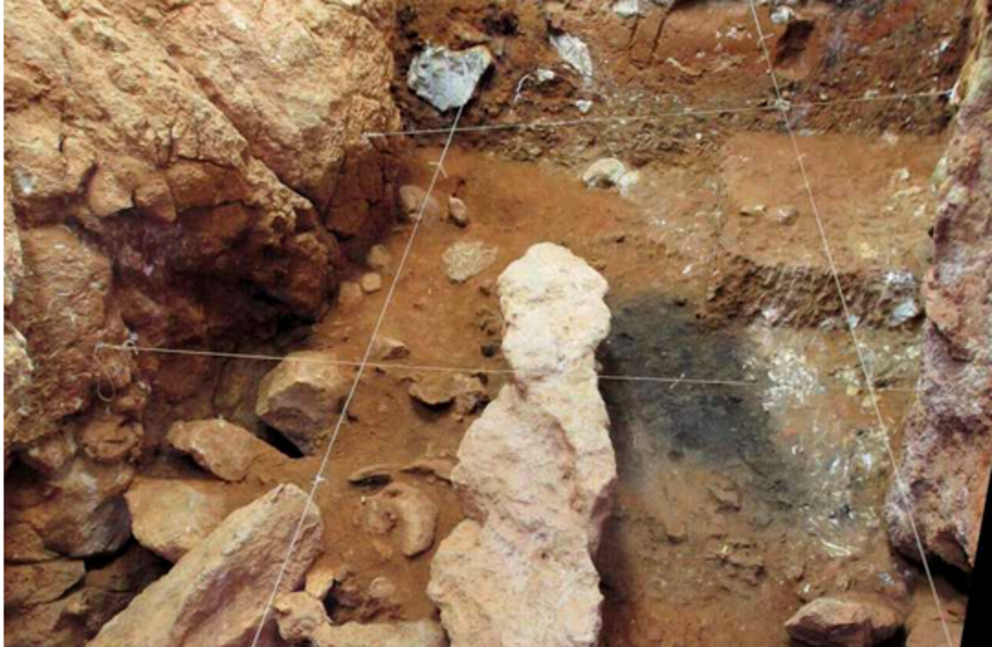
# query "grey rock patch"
(447, 79)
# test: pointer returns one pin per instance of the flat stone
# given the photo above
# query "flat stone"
(434, 390)
(379, 474)
(225, 450)
(464, 260)
(217, 593)
(447, 79)
(406, 513)
(302, 397)
(575, 52)
(23, 545)
(849, 620)
(170, 517)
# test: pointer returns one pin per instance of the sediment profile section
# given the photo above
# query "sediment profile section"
(537, 470)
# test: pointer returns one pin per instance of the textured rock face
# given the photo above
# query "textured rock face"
(948, 445)
(302, 397)
(538, 469)
(847, 621)
(447, 79)
(408, 513)
(216, 594)
(80, 512)
(157, 143)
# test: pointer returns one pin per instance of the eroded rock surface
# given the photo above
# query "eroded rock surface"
(225, 450)
(538, 470)
(948, 444)
(217, 593)
(406, 512)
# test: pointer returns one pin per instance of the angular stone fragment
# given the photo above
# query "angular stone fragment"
(79, 513)
(606, 172)
(415, 203)
(845, 621)
(217, 593)
(302, 397)
(538, 469)
(406, 512)
(22, 545)
(225, 450)
(172, 516)
(447, 79)
(387, 348)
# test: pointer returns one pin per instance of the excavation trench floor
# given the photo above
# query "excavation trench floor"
(736, 502)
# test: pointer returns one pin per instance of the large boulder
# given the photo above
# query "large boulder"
(303, 396)
(218, 593)
(947, 447)
(538, 470)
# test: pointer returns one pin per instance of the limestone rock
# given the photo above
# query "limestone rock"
(172, 516)
(23, 545)
(379, 258)
(49, 455)
(320, 580)
(217, 593)
(302, 397)
(414, 204)
(349, 293)
(32, 584)
(81, 512)
(845, 621)
(606, 172)
(405, 511)
(302, 619)
(538, 469)
(447, 79)
(463, 260)
(947, 450)
(109, 438)
(225, 450)
(576, 53)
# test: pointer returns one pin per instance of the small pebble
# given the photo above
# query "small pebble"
(371, 282)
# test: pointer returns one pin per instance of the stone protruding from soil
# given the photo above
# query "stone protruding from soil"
(218, 592)
(464, 260)
(447, 79)
(303, 620)
(302, 397)
(948, 443)
(225, 450)
(415, 204)
(405, 512)
(538, 469)
(845, 621)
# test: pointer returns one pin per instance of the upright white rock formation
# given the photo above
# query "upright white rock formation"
(538, 470)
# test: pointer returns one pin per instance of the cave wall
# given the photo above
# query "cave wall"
(947, 448)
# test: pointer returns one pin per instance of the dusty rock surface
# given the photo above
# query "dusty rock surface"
(447, 79)
(302, 397)
(464, 260)
(845, 621)
(225, 450)
(32, 584)
(217, 593)
(170, 517)
(947, 448)
(537, 467)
